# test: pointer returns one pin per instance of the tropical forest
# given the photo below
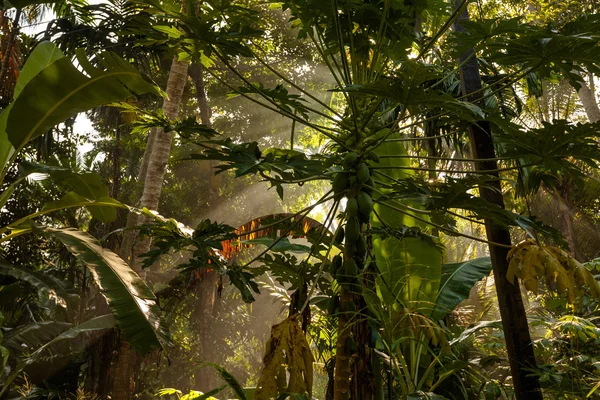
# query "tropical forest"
(299, 199)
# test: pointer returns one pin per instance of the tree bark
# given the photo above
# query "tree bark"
(341, 384)
(587, 96)
(156, 158)
(514, 320)
(154, 163)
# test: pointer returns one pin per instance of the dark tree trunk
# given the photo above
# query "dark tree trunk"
(514, 320)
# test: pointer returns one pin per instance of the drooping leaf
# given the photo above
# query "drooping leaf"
(47, 284)
(32, 336)
(457, 281)
(70, 200)
(94, 324)
(288, 362)
(531, 262)
(133, 304)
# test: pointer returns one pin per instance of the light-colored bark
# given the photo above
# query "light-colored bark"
(154, 163)
(587, 96)
(152, 171)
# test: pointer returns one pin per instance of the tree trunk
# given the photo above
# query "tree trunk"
(154, 163)
(341, 384)
(514, 320)
(587, 96)
(567, 216)
(156, 157)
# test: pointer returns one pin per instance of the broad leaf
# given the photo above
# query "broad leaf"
(131, 301)
(47, 284)
(60, 91)
(70, 200)
(94, 324)
(29, 338)
(477, 327)
(88, 185)
(457, 281)
(410, 267)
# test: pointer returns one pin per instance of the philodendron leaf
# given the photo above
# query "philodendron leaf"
(132, 303)
(59, 91)
(457, 281)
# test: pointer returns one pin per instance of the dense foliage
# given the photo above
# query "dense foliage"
(359, 200)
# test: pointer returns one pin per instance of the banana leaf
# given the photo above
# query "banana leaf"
(45, 283)
(410, 267)
(457, 281)
(132, 303)
(51, 89)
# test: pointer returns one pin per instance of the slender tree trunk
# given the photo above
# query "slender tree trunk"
(154, 165)
(587, 96)
(197, 76)
(567, 216)
(206, 289)
(514, 320)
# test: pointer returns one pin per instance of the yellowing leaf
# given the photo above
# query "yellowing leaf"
(530, 262)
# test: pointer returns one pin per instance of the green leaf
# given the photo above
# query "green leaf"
(167, 392)
(131, 301)
(94, 324)
(228, 378)
(28, 338)
(410, 267)
(47, 284)
(70, 200)
(60, 91)
(477, 327)
(43, 55)
(90, 185)
(457, 281)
